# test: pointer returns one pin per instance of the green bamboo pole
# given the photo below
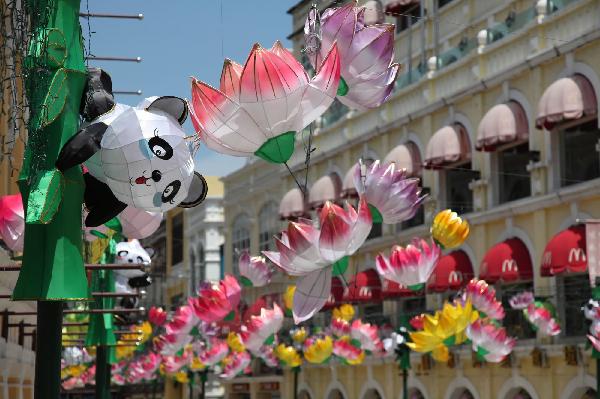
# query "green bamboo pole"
(102, 390)
(48, 350)
(52, 268)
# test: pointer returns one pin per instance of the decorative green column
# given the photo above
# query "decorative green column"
(101, 326)
(52, 268)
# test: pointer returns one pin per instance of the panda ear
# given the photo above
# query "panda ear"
(174, 106)
(196, 193)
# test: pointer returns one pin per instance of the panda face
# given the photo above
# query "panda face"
(145, 160)
(131, 252)
(591, 309)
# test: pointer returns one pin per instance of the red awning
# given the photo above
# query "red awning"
(448, 145)
(363, 287)
(452, 272)
(566, 99)
(507, 261)
(391, 289)
(565, 252)
(337, 293)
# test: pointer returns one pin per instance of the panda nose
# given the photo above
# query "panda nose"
(156, 175)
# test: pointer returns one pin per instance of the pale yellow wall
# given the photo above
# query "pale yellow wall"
(339, 146)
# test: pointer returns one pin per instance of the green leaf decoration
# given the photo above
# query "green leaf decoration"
(230, 316)
(55, 100)
(114, 224)
(450, 341)
(340, 267)
(342, 88)
(356, 343)
(194, 332)
(375, 214)
(416, 287)
(245, 281)
(98, 234)
(278, 149)
(45, 197)
(596, 292)
(270, 340)
(481, 352)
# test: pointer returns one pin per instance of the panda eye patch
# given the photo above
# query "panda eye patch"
(160, 147)
(122, 253)
(170, 191)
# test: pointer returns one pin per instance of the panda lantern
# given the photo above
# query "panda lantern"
(126, 281)
(135, 156)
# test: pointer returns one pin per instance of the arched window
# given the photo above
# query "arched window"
(240, 239)
(304, 395)
(268, 225)
(336, 394)
(415, 394)
(372, 394)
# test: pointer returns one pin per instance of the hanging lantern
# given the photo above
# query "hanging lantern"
(368, 71)
(12, 222)
(135, 156)
(138, 223)
(261, 106)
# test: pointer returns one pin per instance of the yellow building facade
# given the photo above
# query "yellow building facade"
(461, 58)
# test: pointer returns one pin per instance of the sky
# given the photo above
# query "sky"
(178, 39)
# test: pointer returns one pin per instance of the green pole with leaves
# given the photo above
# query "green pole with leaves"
(52, 269)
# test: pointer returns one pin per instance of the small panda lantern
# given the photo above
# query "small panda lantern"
(135, 156)
(127, 280)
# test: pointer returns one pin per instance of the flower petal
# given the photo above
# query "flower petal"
(322, 89)
(312, 292)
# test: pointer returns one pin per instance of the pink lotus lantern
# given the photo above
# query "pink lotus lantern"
(267, 354)
(410, 266)
(349, 353)
(366, 53)
(541, 319)
(235, 364)
(395, 196)
(174, 363)
(254, 270)
(261, 106)
(340, 327)
(182, 322)
(157, 316)
(489, 341)
(261, 329)
(217, 351)
(12, 222)
(169, 344)
(309, 253)
(521, 300)
(216, 301)
(367, 335)
(483, 298)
